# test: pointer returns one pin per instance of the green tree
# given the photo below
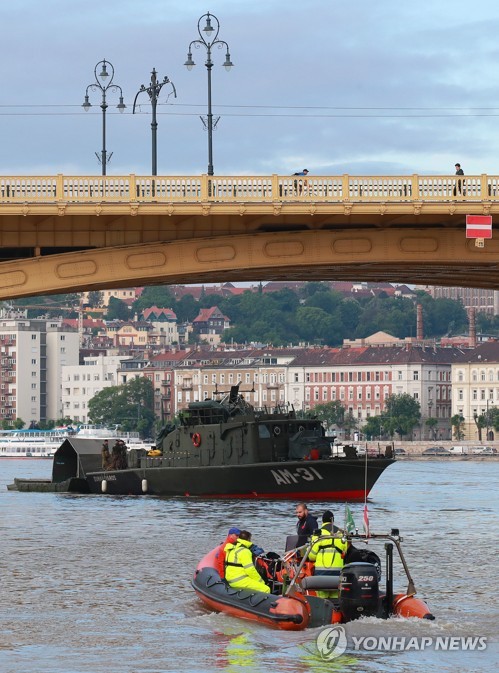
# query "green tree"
(46, 425)
(117, 310)
(350, 423)
(326, 300)
(493, 417)
(402, 413)
(350, 312)
(330, 413)
(431, 424)
(19, 424)
(130, 406)
(481, 423)
(186, 308)
(95, 298)
(457, 422)
(311, 288)
(373, 429)
(155, 295)
(208, 300)
(65, 420)
(314, 324)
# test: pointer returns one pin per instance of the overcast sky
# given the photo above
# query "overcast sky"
(335, 86)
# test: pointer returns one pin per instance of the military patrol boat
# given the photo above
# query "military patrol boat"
(229, 449)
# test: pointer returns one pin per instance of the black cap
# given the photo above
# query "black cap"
(327, 516)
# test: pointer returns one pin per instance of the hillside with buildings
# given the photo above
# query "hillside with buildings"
(50, 368)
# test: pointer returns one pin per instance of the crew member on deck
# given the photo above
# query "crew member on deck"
(328, 523)
(306, 523)
(229, 543)
(328, 552)
(106, 456)
(240, 571)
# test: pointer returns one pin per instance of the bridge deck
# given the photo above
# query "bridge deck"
(68, 233)
(236, 189)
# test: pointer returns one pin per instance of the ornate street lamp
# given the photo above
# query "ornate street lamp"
(208, 41)
(153, 91)
(102, 84)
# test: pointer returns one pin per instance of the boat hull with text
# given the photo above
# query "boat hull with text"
(341, 479)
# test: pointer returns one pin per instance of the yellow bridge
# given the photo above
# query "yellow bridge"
(68, 233)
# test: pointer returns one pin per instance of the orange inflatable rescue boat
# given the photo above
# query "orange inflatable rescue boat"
(293, 603)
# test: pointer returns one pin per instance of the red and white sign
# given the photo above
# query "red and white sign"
(478, 226)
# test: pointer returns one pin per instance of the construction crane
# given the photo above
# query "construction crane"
(58, 307)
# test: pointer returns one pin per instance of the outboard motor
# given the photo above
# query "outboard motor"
(359, 591)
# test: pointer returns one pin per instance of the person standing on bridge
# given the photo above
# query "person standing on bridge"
(299, 184)
(459, 171)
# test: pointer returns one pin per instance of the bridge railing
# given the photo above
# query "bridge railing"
(237, 189)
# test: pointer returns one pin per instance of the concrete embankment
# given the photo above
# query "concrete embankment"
(414, 450)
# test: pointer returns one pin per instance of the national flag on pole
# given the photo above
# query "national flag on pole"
(366, 521)
(349, 522)
(478, 226)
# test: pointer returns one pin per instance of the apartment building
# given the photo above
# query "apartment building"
(481, 299)
(32, 354)
(475, 384)
(363, 378)
(81, 382)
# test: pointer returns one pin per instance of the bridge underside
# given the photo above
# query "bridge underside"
(47, 253)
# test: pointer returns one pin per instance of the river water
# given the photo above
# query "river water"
(102, 584)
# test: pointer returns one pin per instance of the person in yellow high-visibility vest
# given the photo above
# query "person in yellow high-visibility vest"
(240, 571)
(328, 553)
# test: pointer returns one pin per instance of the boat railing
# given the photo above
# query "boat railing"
(392, 537)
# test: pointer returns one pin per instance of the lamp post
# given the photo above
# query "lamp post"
(208, 41)
(103, 85)
(487, 419)
(153, 91)
(430, 406)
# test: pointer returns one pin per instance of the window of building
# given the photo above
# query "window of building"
(460, 395)
(33, 361)
(415, 375)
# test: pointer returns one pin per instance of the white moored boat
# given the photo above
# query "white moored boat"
(44, 443)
